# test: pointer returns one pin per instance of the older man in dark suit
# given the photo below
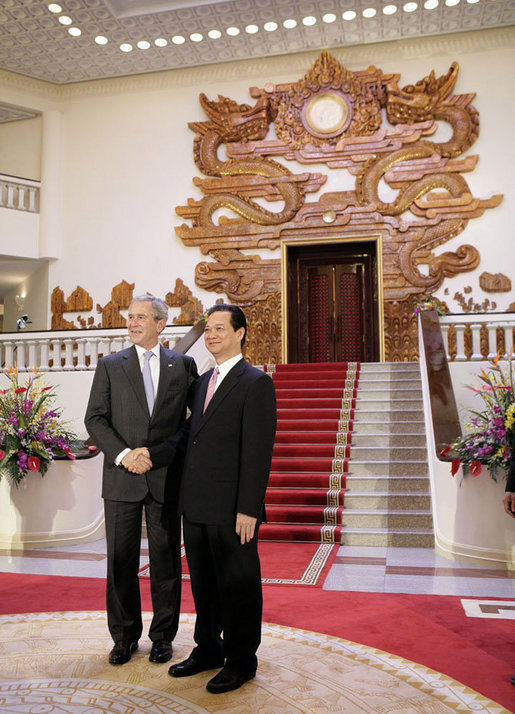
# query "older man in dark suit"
(139, 396)
(225, 476)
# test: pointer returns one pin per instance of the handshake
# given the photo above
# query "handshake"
(137, 461)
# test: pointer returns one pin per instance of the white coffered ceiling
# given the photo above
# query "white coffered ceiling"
(35, 42)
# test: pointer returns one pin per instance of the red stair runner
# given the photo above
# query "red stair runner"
(315, 408)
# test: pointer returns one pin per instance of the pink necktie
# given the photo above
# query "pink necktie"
(211, 388)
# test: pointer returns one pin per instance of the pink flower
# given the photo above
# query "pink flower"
(69, 454)
(91, 447)
(33, 463)
(2, 454)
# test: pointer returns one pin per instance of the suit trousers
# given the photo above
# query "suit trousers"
(123, 535)
(226, 586)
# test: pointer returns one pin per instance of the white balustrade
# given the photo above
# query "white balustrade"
(475, 323)
(19, 194)
(69, 350)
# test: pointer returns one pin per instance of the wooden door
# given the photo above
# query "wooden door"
(332, 303)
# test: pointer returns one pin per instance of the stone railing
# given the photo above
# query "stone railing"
(477, 336)
(70, 350)
(19, 193)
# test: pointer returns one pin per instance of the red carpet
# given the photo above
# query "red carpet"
(315, 408)
(430, 630)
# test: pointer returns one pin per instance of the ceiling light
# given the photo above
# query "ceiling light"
(65, 20)
(431, 4)
(214, 34)
(410, 7)
(252, 29)
(369, 12)
(309, 21)
(389, 9)
(126, 47)
(233, 31)
(143, 45)
(54, 7)
(178, 40)
(101, 40)
(160, 42)
(270, 26)
(290, 24)
(349, 15)
(196, 37)
(329, 17)
(75, 31)
(472, 2)
(452, 3)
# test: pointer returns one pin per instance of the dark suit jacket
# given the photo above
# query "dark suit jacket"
(229, 451)
(117, 416)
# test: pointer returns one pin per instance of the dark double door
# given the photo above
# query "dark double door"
(332, 303)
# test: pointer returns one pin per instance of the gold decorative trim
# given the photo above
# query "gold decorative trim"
(327, 534)
(342, 437)
(335, 482)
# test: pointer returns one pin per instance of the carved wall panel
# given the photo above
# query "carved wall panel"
(333, 116)
(497, 283)
(191, 307)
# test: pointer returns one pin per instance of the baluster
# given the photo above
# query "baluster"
(68, 354)
(445, 338)
(20, 356)
(10, 196)
(476, 342)
(43, 356)
(93, 352)
(116, 344)
(81, 353)
(460, 343)
(492, 340)
(56, 355)
(508, 337)
(8, 355)
(31, 190)
(32, 360)
(2, 186)
(21, 198)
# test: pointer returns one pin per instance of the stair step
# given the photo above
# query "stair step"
(306, 437)
(385, 500)
(379, 518)
(387, 440)
(299, 497)
(400, 538)
(386, 484)
(300, 534)
(285, 479)
(298, 514)
(388, 468)
(388, 453)
(391, 415)
(387, 427)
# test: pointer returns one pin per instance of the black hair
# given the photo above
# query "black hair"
(237, 317)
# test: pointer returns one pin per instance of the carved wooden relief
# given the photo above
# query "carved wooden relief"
(191, 307)
(497, 283)
(333, 116)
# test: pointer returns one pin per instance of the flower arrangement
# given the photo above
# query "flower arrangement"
(489, 436)
(31, 434)
(428, 303)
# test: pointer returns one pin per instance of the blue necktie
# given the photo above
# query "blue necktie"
(147, 381)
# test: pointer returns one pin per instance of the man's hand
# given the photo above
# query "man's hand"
(245, 527)
(509, 503)
(137, 461)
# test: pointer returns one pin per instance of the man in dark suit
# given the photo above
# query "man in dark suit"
(509, 496)
(227, 464)
(139, 396)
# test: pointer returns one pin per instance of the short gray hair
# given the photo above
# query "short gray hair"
(159, 307)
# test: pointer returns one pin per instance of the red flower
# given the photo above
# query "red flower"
(455, 466)
(445, 451)
(90, 447)
(475, 468)
(33, 463)
(2, 454)
(69, 454)
(20, 390)
(45, 389)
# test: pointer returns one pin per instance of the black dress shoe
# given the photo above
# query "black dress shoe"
(122, 651)
(161, 651)
(192, 666)
(226, 680)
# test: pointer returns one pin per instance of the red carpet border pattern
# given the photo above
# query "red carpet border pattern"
(315, 411)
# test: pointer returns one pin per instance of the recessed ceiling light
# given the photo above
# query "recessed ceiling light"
(214, 34)
(431, 4)
(410, 7)
(389, 9)
(126, 47)
(196, 37)
(369, 12)
(270, 26)
(65, 20)
(329, 17)
(143, 45)
(160, 42)
(290, 24)
(252, 29)
(309, 21)
(75, 31)
(54, 7)
(472, 2)
(101, 40)
(452, 3)
(349, 15)
(233, 31)
(178, 40)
